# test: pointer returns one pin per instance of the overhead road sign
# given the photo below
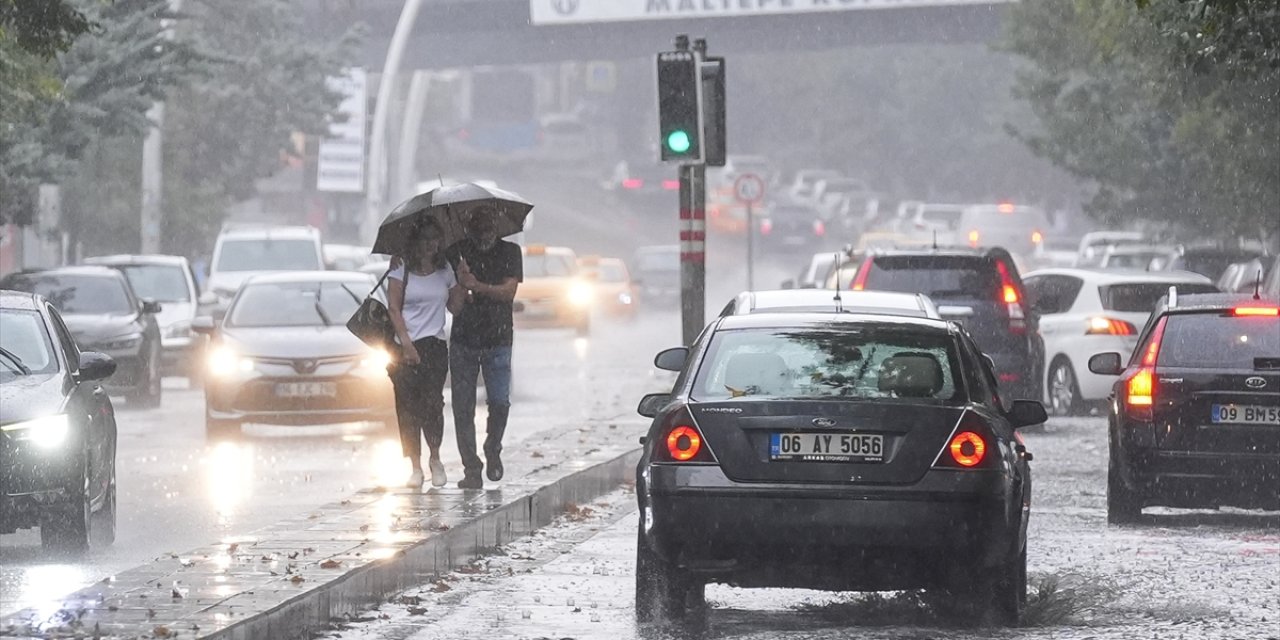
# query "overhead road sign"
(552, 12)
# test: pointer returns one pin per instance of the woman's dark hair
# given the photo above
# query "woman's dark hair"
(413, 248)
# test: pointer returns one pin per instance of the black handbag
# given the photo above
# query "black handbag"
(372, 320)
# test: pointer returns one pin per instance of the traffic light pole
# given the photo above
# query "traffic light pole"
(693, 250)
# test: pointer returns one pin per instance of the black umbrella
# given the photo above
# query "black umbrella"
(452, 206)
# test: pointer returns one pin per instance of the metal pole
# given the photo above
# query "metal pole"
(407, 158)
(151, 214)
(751, 249)
(689, 329)
(698, 245)
(375, 192)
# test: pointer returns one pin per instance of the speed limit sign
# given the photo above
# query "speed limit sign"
(749, 188)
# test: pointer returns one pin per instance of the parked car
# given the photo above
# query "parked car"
(553, 292)
(1210, 261)
(979, 288)
(169, 281)
(245, 250)
(833, 451)
(1134, 256)
(943, 219)
(1086, 311)
(105, 315)
(644, 183)
(283, 355)
(57, 430)
(1195, 416)
(831, 301)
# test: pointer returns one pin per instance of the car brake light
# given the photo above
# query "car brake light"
(671, 185)
(1005, 207)
(766, 227)
(1140, 388)
(1012, 299)
(967, 449)
(1036, 237)
(1009, 376)
(1109, 327)
(860, 278)
(1272, 312)
(819, 228)
(683, 443)
(632, 183)
(974, 236)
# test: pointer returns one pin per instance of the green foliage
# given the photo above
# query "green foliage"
(42, 28)
(1167, 110)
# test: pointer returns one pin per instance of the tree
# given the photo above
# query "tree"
(42, 28)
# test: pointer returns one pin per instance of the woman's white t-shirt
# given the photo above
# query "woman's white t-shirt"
(425, 298)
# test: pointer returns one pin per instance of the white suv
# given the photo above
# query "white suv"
(243, 251)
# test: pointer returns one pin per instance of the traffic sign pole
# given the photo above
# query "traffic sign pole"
(748, 189)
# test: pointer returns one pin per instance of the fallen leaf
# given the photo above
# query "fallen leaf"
(536, 454)
(162, 632)
(330, 564)
(345, 502)
(308, 550)
(113, 608)
(293, 556)
(177, 595)
(267, 559)
(364, 527)
(407, 600)
(231, 548)
(296, 579)
(417, 611)
(151, 613)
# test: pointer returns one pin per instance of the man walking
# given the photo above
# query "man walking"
(489, 269)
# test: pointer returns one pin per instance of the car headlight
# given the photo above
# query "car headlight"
(180, 329)
(119, 343)
(46, 433)
(581, 294)
(376, 362)
(224, 361)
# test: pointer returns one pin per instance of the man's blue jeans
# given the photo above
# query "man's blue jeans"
(466, 364)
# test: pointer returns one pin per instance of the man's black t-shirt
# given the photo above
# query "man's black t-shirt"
(485, 322)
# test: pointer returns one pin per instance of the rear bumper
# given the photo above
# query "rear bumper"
(864, 538)
(1179, 478)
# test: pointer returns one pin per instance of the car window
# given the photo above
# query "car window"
(1052, 294)
(69, 346)
(1142, 296)
(295, 304)
(548, 265)
(268, 255)
(840, 362)
(1218, 341)
(77, 294)
(23, 334)
(162, 283)
(934, 276)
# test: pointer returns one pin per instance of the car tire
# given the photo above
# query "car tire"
(1009, 591)
(65, 526)
(149, 394)
(1124, 505)
(664, 593)
(102, 528)
(1064, 390)
(220, 429)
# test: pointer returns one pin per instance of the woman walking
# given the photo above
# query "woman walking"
(422, 288)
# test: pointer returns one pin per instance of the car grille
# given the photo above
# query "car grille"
(260, 396)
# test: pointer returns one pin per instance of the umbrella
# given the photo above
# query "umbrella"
(452, 206)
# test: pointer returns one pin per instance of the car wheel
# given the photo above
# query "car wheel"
(1064, 391)
(65, 526)
(1124, 506)
(103, 521)
(1009, 591)
(150, 392)
(664, 593)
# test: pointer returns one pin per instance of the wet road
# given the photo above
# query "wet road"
(1177, 575)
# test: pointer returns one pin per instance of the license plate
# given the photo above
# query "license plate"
(827, 447)
(306, 389)
(1244, 414)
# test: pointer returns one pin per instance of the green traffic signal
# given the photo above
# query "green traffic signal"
(678, 141)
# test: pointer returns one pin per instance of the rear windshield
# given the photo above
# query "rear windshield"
(268, 255)
(1213, 341)
(162, 283)
(934, 276)
(1141, 297)
(836, 362)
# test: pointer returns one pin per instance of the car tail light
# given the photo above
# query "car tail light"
(967, 449)
(974, 236)
(1037, 237)
(1099, 326)
(766, 227)
(860, 278)
(819, 228)
(1140, 387)
(1009, 376)
(972, 446)
(671, 185)
(632, 183)
(1012, 299)
(681, 440)
(1272, 312)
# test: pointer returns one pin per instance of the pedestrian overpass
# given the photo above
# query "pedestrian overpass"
(467, 33)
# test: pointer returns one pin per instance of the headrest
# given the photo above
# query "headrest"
(911, 375)
(764, 372)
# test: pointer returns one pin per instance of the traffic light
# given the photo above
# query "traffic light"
(679, 106)
(713, 113)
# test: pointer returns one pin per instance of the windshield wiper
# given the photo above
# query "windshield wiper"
(15, 362)
(324, 317)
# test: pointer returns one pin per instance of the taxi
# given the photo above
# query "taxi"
(613, 290)
(554, 292)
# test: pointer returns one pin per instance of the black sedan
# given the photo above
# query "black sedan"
(57, 430)
(853, 452)
(1195, 415)
(104, 314)
(283, 355)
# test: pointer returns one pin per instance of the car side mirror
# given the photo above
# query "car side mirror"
(203, 325)
(1106, 364)
(1026, 413)
(788, 284)
(208, 299)
(652, 403)
(150, 306)
(96, 366)
(671, 359)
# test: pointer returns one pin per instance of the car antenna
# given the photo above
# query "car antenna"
(1257, 286)
(838, 300)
